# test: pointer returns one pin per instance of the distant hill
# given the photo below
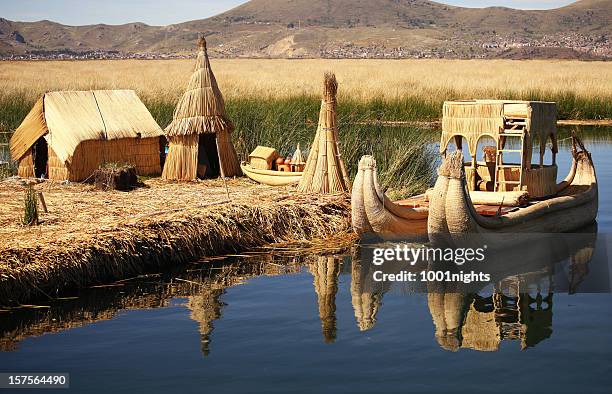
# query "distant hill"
(339, 28)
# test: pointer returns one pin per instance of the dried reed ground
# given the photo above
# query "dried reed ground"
(91, 236)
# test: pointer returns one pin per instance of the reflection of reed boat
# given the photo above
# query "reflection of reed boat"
(271, 177)
(482, 323)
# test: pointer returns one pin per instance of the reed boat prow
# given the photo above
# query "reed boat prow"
(573, 206)
(374, 212)
(270, 177)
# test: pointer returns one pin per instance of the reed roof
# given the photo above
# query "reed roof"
(69, 118)
(473, 119)
(201, 109)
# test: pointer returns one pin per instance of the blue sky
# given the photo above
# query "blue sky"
(164, 12)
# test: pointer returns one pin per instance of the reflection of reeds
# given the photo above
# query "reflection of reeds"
(148, 291)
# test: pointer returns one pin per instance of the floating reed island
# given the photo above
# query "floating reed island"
(90, 236)
(86, 236)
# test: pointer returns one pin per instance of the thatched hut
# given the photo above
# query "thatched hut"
(199, 136)
(325, 171)
(68, 135)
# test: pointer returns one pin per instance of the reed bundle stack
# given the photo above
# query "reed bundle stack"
(115, 176)
(68, 135)
(199, 135)
(325, 171)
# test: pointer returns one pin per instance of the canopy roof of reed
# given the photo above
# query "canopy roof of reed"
(325, 171)
(201, 109)
(473, 119)
(68, 118)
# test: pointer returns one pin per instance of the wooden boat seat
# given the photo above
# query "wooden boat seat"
(485, 210)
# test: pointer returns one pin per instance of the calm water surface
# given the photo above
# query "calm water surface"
(312, 323)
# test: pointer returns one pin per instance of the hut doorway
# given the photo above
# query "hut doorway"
(208, 157)
(40, 157)
(163, 150)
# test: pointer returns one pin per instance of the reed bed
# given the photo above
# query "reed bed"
(90, 236)
(398, 90)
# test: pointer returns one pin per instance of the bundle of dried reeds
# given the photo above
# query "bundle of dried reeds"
(30, 212)
(115, 176)
(325, 171)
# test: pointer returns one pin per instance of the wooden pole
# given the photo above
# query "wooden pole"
(42, 202)
(221, 166)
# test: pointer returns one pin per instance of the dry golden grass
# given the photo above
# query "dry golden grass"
(358, 79)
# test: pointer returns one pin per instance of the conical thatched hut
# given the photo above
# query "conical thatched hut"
(199, 136)
(325, 171)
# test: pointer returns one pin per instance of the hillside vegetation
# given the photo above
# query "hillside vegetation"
(326, 28)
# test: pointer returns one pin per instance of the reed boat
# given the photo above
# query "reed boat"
(373, 212)
(271, 177)
(573, 205)
(498, 194)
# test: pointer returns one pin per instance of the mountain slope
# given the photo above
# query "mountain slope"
(336, 28)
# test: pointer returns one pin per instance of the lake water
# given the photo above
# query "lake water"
(308, 323)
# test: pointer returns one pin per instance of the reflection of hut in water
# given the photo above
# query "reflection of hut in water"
(205, 303)
(206, 308)
(104, 303)
(326, 271)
